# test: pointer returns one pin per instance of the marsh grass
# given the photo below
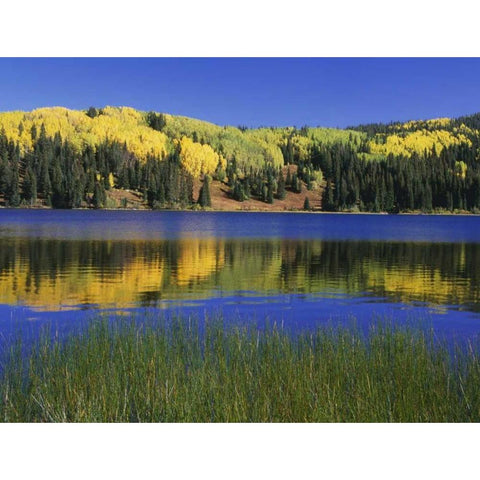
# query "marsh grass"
(184, 370)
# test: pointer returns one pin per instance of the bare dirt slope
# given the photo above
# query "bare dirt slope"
(127, 199)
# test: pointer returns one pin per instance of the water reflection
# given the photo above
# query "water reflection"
(53, 274)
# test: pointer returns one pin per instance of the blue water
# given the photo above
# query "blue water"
(131, 225)
(301, 270)
(134, 225)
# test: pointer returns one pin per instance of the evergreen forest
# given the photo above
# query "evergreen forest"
(61, 158)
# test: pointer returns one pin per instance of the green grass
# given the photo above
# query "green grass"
(128, 371)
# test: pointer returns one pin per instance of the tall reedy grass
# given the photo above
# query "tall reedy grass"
(185, 370)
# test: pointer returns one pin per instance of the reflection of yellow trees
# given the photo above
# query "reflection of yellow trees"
(199, 258)
(80, 284)
(145, 271)
(419, 284)
(250, 265)
(412, 283)
(51, 276)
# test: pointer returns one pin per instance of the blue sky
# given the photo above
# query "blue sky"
(251, 91)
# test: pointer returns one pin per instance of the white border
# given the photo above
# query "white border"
(247, 28)
(240, 451)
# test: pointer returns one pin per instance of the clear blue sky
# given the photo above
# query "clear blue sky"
(251, 91)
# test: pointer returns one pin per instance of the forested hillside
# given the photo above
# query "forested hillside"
(119, 157)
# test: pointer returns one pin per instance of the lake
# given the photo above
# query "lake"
(297, 268)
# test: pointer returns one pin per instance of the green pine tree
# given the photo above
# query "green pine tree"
(204, 199)
(270, 193)
(281, 192)
(29, 191)
(92, 112)
(99, 196)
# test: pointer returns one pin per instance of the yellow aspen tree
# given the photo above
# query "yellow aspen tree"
(197, 159)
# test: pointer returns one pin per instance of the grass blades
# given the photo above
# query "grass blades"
(183, 370)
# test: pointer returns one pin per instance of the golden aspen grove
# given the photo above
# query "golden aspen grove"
(113, 157)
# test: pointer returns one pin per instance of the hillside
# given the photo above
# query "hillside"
(119, 157)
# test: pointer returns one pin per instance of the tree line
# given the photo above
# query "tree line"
(446, 181)
(60, 176)
(63, 178)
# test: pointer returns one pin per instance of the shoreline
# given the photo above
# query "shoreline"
(210, 210)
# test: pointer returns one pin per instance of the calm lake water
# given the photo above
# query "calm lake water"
(302, 269)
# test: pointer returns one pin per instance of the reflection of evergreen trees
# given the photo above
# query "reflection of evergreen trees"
(317, 258)
(443, 273)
